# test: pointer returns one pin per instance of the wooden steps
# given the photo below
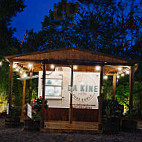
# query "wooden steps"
(75, 126)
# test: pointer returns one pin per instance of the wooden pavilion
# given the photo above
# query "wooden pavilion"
(85, 61)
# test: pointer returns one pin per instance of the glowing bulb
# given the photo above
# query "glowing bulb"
(24, 75)
(127, 72)
(122, 74)
(21, 71)
(0, 63)
(30, 66)
(52, 66)
(75, 67)
(118, 76)
(98, 68)
(14, 66)
(119, 69)
(17, 69)
(105, 77)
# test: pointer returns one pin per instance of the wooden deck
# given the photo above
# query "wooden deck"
(75, 126)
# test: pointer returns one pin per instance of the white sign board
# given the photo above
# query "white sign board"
(57, 88)
(7, 108)
(29, 111)
(86, 88)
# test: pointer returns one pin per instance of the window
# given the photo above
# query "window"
(53, 87)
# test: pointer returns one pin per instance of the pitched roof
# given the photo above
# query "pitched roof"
(69, 54)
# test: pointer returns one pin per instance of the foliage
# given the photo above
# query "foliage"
(37, 106)
(112, 108)
(9, 8)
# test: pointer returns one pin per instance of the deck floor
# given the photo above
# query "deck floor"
(75, 126)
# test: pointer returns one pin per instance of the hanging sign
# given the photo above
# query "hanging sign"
(29, 111)
(7, 108)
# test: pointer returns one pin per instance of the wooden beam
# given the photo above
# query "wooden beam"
(131, 84)
(100, 96)
(114, 86)
(10, 84)
(23, 100)
(70, 109)
(43, 95)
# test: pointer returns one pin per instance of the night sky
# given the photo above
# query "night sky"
(32, 16)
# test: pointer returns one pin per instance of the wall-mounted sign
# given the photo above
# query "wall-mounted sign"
(57, 88)
(29, 111)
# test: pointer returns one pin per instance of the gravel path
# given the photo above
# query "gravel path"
(17, 135)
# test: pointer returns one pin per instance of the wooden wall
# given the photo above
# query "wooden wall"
(62, 114)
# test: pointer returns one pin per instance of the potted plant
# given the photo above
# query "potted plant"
(34, 123)
(112, 112)
(128, 124)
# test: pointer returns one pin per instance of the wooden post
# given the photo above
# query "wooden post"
(100, 96)
(43, 95)
(10, 84)
(23, 100)
(30, 90)
(114, 86)
(131, 84)
(70, 109)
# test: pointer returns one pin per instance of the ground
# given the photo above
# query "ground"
(18, 135)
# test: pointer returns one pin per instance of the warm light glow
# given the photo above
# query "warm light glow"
(75, 67)
(127, 72)
(0, 63)
(98, 68)
(118, 76)
(24, 75)
(21, 71)
(52, 66)
(30, 66)
(14, 66)
(17, 69)
(105, 77)
(122, 74)
(119, 69)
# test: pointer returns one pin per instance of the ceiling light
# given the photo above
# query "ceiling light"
(52, 66)
(105, 77)
(30, 65)
(127, 72)
(98, 68)
(75, 67)
(119, 69)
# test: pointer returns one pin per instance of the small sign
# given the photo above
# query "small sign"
(29, 111)
(7, 108)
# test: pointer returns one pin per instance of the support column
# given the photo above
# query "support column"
(70, 109)
(30, 90)
(100, 96)
(23, 100)
(131, 84)
(114, 86)
(10, 84)
(43, 95)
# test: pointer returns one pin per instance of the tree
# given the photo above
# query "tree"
(8, 9)
(8, 44)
